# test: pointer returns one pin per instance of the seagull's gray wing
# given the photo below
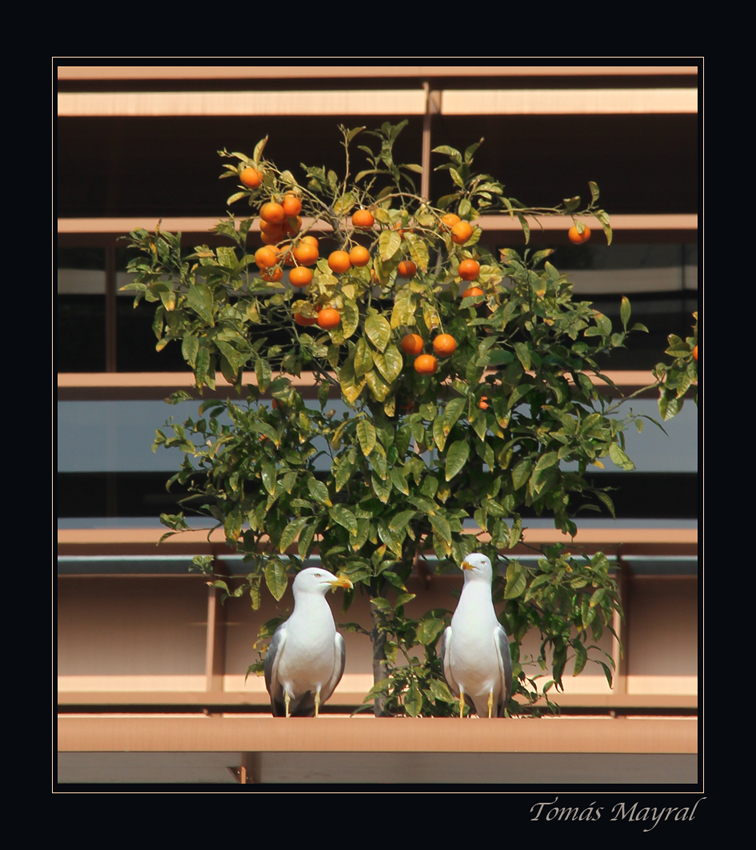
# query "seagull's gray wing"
(272, 657)
(505, 668)
(338, 668)
(445, 660)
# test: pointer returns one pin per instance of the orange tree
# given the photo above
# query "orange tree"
(441, 445)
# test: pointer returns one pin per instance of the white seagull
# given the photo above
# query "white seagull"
(475, 649)
(305, 659)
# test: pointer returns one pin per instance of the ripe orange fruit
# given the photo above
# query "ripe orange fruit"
(270, 227)
(251, 177)
(578, 238)
(406, 268)
(483, 403)
(444, 345)
(265, 257)
(469, 269)
(695, 353)
(272, 212)
(329, 318)
(450, 219)
(461, 232)
(473, 290)
(359, 256)
(272, 276)
(412, 344)
(303, 320)
(300, 276)
(271, 234)
(426, 364)
(338, 261)
(363, 219)
(306, 252)
(292, 206)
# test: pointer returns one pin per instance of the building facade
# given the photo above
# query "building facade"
(146, 652)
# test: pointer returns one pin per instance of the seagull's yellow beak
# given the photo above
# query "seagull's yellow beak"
(342, 581)
(465, 565)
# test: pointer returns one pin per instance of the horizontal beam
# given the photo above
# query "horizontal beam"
(645, 101)
(183, 699)
(349, 72)
(637, 540)
(369, 734)
(487, 223)
(115, 386)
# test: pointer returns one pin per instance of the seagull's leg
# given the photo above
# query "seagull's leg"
(287, 700)
(317, 701)
(461, 702)
(490, 703)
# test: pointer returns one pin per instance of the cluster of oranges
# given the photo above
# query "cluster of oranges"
(281, 220)
(444, 345)
(461, 230)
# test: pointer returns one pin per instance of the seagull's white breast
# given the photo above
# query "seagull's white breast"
(309, 654)
(473, 657)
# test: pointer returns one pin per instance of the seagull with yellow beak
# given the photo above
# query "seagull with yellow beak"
(305, 659)
(475, 649)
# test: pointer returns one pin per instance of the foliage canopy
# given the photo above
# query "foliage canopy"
(439, 463)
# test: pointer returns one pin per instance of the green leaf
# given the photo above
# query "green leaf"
(403, 313)
(351, 385)
(625, 311)
(619, 458)
(429, 630)
(269, 475)
(363, 360)
(413, 700)
(319, 491)
(517, 580)
(390, 363)
(581, 657)
(605, 498)
(344, 517)
(399, 480)
(521, 473)
(546, 461)
(401, 519)
(389, 243)
(441, 692)
(350, 318)
(378, 331)
(441, 527)
(456, 458)
(200, 298)
(604, 221)
(366, 436)
(378, 387)
(189, 349)
(305, 540)
(291, 532)
(275, 578)
(263, 374)
(452, 412)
